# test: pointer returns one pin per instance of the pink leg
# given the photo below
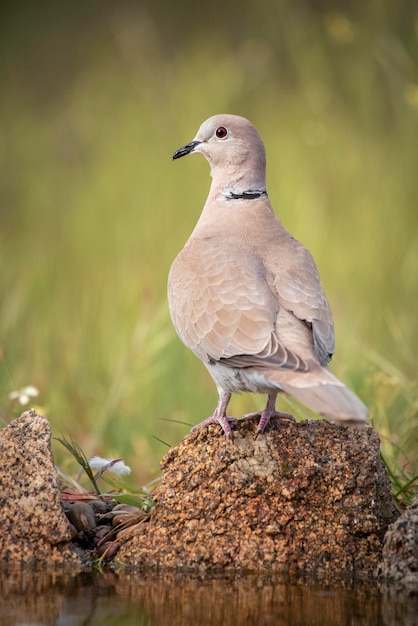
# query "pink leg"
(219, 416)
(268, 413)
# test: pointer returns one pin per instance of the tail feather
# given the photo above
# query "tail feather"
(322, 392)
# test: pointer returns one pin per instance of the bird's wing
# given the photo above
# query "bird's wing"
(224, 309)
(294, 277)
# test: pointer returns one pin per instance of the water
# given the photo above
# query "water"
(120, 598)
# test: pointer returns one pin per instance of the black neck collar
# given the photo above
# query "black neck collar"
(249, 194)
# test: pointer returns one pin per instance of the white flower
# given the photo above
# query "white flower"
(116, 466)
(24, 395)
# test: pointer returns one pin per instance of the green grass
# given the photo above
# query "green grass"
(93, 211)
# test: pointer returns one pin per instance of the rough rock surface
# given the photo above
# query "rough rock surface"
(32, 521)
(400, 549)
(310, 499)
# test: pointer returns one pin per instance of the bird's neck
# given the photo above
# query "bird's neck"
(238, 185)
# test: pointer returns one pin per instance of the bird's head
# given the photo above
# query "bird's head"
(234, 150)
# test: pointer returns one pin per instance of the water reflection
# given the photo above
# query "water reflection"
(29, 598)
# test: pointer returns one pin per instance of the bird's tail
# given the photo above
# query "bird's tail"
(322, 392)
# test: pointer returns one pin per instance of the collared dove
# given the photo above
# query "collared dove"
(245, 296)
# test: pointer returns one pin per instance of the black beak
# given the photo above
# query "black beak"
(187, 149)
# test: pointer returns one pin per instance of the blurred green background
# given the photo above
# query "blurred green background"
(95, 97)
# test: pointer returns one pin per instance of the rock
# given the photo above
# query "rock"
(101, 533)
(99, 506)
(127, 515)
(308, 499)
(81, 515)
(33, 525)
(400, 550)
(108, 549)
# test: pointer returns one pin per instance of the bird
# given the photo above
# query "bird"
(245, 296)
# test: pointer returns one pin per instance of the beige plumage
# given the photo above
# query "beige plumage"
(245, 296)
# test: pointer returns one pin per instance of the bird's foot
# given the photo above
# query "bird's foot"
(223, 420)
(265, 417)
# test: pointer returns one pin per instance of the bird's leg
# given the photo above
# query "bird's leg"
(219, 415)
(267, 413)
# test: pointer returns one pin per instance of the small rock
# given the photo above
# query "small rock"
(108, 549)
(106, 518)
(128, 519)
(400, 549)
(126, 508)
(101, 533)
(81, 515)
(99, 506)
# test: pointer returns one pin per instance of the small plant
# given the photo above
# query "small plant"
(404, 483)
(24, 395)
(393, 403)
(120, 492)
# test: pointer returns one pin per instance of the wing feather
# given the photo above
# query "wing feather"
(231, 312)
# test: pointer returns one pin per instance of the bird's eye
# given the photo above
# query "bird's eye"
(221, 132)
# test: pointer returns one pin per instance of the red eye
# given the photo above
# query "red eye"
(221, 132)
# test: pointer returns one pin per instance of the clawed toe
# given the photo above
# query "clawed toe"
(224, 420)
(283, 416)
(214, 419)
(266, 417)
